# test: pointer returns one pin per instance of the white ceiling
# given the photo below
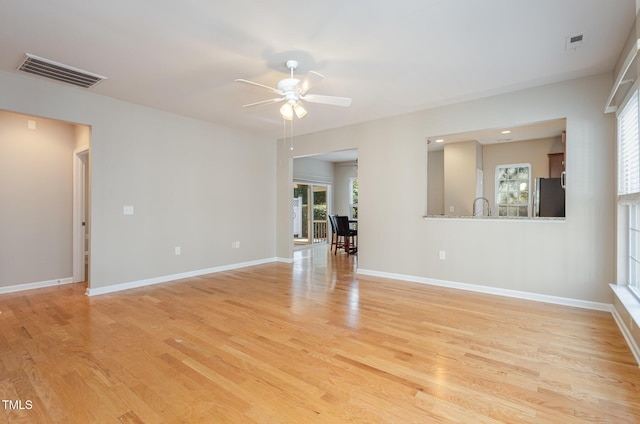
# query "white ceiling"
(390, 57)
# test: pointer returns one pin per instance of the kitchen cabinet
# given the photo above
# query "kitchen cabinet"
(556, 164)
(557, 160)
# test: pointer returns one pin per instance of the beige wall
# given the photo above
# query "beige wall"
(36, 198)
(193, 184)
(461, 160)
(83, 136)
(573, 259)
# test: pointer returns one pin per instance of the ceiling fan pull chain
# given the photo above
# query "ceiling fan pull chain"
(291, 135)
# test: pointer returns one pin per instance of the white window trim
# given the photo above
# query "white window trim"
(351, 204)
(628, 189)
(629, 200)
(497, 192)
(633, 246)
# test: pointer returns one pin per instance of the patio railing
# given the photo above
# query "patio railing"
(320, 231)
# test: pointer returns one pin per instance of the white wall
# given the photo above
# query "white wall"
(193, 184)
(573, 259)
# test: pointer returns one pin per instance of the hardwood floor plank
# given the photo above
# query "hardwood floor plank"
(139, 410)
(311, 342)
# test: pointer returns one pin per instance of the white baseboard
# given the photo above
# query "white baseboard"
(167, 278)
(284, 260)
(635, 350)
(585, 304)
(631, 306)
(38, 285)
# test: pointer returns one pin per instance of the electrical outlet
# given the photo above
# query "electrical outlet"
(178, 250)
(235, 244)
(452, 209)
(127, 210)
(442, 255)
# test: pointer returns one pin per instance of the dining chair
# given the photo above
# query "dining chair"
(349, 236)
(334, 233)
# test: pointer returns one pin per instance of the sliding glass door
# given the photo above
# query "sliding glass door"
(310, 204)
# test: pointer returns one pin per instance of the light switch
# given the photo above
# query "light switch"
(127, 210)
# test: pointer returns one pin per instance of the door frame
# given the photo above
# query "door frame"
(310, 205)
(80, 221)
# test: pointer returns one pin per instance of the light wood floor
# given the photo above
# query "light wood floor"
(309, 342)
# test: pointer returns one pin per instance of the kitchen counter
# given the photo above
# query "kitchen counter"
(497, 218)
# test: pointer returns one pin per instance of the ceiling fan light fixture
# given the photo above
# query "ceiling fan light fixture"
(293, 91)
(300, 111)
(287, 111)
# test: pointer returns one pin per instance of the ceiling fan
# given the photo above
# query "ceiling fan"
(294, 93)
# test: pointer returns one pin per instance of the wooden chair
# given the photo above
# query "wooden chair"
(348, 235)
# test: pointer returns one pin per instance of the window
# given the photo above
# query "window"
(629, 184)
(513, 184)
(353, 198)
(628, 148)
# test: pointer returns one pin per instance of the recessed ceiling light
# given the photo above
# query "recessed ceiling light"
(439, 140)
(505, 132)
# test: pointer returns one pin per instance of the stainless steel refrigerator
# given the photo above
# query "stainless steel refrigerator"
(549, 200)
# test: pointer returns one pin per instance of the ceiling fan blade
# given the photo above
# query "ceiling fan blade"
(244, 81)
(312, 78)
(264, 102)
(328, 100)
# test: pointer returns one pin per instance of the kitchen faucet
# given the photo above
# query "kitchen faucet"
(484, 199)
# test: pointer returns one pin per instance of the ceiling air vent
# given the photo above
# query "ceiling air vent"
(59, 72)
(574, 41)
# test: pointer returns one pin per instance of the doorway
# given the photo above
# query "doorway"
(310, 206)
(80, 214)
(48, 166)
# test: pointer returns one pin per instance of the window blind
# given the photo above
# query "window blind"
(629, 151)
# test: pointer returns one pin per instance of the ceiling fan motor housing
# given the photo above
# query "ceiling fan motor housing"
(288, 84)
